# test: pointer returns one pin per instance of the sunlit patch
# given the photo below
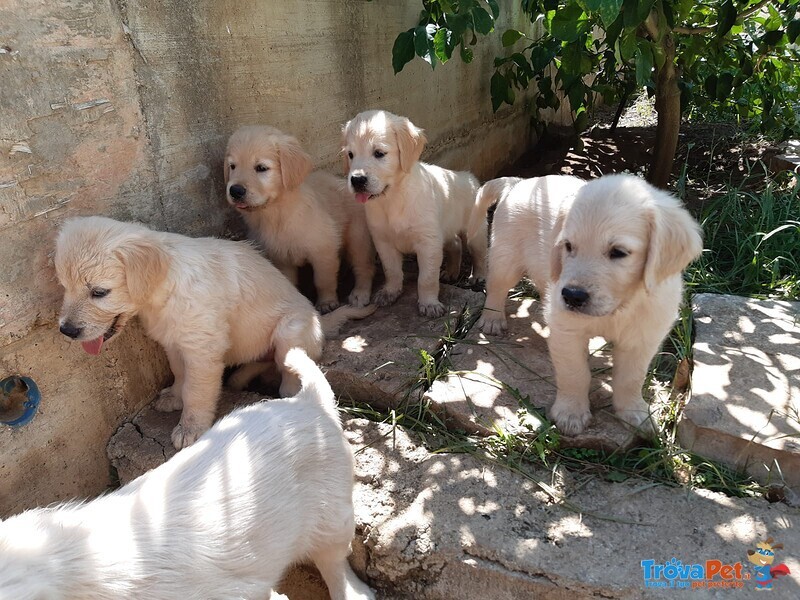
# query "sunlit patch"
(740, 528)
(355, 343)
(596, 343)
(571, 526)
(523, 309)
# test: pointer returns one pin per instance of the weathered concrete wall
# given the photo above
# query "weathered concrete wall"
(122, 108)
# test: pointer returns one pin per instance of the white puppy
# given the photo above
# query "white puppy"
(298, 217)
(412, 207)
(209, 302)
(616, 247)
(269, 485)
(522, 236)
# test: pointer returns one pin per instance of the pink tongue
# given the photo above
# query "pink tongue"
(362, 197)
(94, 346)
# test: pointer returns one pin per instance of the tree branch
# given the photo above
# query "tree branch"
(709, 29)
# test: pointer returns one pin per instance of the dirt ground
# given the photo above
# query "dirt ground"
(710, 156)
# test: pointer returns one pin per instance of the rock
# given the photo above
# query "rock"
(450, 526)
(376, 361)
(745, 404)
(490, 375)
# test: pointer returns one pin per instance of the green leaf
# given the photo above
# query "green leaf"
(608, 9)
(499, 87)
(724, 86)
(510, 37)
(627, 47)
(644, 62)
(581, 119)
(710, 86)
(466, 54)
(613, 31)
(403, 50)
(423, 43)
(484, 23)
(643, 9)
(726, 18)
(494, 8)
(771, 37)
(630, 14)
(569, 23)
(793, 30)
(441, 45)
(617, 476)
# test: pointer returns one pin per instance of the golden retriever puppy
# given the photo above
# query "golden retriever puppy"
(412, 207)
(298, 217)
(522, 235)
(615, 248)
(209, 302)
(269, 485)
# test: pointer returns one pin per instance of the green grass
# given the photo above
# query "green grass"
(752, 241)
(752, 247)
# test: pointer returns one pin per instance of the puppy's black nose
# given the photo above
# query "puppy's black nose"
(69, 330)
(237, 191)
(359, 182)
(575, 297)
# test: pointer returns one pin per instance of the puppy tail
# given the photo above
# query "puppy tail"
(489, 194)
(335, 319)
(311, 377)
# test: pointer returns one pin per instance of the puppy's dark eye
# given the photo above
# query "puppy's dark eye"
(100, 293)
(568, 247)
(262, 168)
(350, 155)
(379, 154)
(617, 253)
(232, 167)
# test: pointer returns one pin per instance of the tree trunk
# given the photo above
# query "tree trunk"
(668, 107)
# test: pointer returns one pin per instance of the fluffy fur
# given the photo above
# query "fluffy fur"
(299, 217)
(608, 256)
(209, 302)
(412, 207)
(269, 485)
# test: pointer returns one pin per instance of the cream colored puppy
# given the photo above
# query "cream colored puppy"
(522, 236)
(269, 485)
(615, 248)
(412, 207)
(209, 302)
(299, 217)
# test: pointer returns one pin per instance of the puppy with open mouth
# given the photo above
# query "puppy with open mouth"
(298, 216)
(208, 302)
(411, 207)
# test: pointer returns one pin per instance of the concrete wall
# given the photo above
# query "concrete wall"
(122, 108)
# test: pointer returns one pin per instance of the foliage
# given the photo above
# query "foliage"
(731, 55)
(752, 236)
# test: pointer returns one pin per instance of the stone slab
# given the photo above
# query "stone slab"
(447, 526)
(376, 361)
(490, 374)
(745, 403)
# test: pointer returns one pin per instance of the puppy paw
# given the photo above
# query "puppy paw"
(326, 306)
(384, 297)
(641, 419)
(493, 323)
(168, 400)
(239, 380)
(185, 435)
(359, 298)
(570, 416)
(431, 309)
(448, 276)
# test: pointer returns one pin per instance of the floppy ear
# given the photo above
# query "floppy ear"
(410, 142)
(675, 239)
(295, 164)
(227, 168)
(345, 161)
(556, 251)
(145, 264)
(777, 546)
